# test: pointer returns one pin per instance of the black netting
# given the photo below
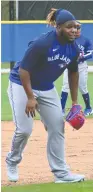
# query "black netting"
(38, 10)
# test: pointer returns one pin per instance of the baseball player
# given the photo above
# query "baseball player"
(31, 88)
(86, 50)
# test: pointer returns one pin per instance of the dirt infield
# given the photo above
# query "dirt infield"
(34, 167)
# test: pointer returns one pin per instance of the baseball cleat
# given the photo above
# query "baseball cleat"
(88, 112)
(70, 178)
(12, 173)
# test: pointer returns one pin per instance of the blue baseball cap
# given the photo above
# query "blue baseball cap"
(62, 16)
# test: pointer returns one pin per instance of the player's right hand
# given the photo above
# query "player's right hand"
(31, 106)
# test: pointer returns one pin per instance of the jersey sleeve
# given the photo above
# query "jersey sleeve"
(88, 51)
(88, 46)
(31, 57)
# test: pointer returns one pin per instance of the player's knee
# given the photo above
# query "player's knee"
(25, 131)
(58, 124)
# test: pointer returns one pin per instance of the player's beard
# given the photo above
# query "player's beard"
(63, 38)
(66, 38)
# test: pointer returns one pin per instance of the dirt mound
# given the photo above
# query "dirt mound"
(34, 167)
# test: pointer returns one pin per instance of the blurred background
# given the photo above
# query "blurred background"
(23, 21)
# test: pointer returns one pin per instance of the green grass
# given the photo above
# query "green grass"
(51, 187)
(90, 62)
(5, 107)
(5, 65)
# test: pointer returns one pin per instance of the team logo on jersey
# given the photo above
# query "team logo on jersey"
(65, 59)
(62, 58)
(53, 58)
(61, 65)
(81, 47)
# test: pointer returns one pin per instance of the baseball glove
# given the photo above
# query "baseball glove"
(75, 117)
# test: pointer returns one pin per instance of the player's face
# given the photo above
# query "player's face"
(68, 30)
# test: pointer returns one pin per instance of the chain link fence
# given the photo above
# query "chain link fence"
(38, 10)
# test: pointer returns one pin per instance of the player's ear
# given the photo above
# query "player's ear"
(58, 28)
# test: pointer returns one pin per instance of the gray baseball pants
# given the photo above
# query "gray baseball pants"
(51, 113)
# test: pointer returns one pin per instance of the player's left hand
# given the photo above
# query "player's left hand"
(76, 117)
(31, 107)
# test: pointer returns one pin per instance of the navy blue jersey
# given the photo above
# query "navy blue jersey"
(45, 60)
(86, 47)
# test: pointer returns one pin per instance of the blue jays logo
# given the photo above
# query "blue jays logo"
(59, 57)
(61, 65)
